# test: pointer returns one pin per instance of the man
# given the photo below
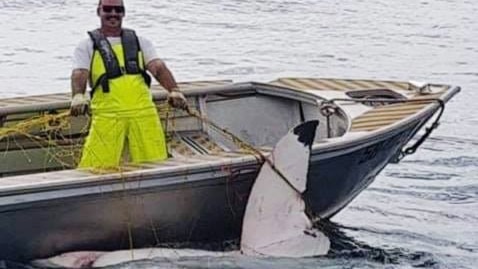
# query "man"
(115, 61)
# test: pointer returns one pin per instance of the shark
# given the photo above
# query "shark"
(274, 224)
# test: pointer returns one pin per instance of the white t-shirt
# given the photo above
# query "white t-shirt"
(84, 51)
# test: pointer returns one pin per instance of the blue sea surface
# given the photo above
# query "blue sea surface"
(420, 213)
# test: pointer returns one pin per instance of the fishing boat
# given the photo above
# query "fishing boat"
(200, 193)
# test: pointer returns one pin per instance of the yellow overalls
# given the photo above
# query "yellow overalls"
(126, 112)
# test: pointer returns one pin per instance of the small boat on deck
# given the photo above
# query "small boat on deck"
(200, 193)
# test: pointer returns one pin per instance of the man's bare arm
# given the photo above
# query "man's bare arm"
(79, 80)
(162, 74)
(80, 101)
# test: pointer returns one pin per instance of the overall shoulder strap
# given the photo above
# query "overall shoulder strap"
(106, 51)
(131, 48)
(113, 70)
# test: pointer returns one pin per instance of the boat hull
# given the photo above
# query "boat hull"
(206, 208)
(200, 194)
(333, 182)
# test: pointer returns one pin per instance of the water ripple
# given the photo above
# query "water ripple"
(344, 246)
(457, 162)
(426, 175)
(377, 210)
(440, 214)
(408, 235)
(461, 195)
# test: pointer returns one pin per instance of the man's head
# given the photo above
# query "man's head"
(111, 13)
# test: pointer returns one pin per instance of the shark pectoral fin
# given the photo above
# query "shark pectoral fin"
(275, 223)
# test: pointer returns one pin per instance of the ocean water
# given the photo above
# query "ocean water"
(420, 213)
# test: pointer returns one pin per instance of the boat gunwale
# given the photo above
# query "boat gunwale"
(159, 95)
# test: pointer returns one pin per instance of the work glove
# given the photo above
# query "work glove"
(79, 104)
(176, 99)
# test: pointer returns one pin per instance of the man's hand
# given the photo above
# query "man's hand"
(79, 104)
(176, 99)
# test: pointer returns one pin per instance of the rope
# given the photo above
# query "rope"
(45, 138)
(23, 127)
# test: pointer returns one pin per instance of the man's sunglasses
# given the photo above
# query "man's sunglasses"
(109, 9)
